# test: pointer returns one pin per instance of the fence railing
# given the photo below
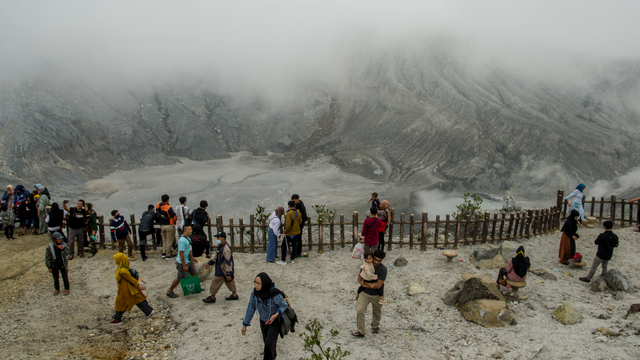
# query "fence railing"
(413, 233)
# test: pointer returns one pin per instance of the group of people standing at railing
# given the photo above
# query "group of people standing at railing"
(606, 241)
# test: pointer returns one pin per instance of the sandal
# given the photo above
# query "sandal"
(357, 334)
(70, 257)
(375, 330)
(172, 295)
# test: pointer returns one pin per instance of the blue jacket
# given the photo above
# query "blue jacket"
(119, 228)
(266, 308)
(22, 195)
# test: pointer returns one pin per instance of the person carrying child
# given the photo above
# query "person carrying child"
(374, 201)
(367, 273)
(606, 242)
(55, 258)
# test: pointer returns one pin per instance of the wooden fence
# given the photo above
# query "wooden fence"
(419, 233)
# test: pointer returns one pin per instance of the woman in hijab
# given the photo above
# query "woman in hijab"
(8, 197)
(576, 203)
(129, 291)
(275, 223)
(569, 237)
(270, 303)
(517, 268)
(383, 214)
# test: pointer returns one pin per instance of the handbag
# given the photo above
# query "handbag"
(190, 284)
(358, 250)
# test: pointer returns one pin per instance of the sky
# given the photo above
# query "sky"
(247, 38)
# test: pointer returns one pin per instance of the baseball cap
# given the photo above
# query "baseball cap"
(221, 234)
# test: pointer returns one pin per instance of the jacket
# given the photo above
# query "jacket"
(274, 224)
(288, 323)
(90, 220)
(224, 261)
(50, 255)
(43, 202)
(166, 215)
(291, 226)
(606, 242)
(303, 211)
(147, 220)
(8, 217)
(124, 300)
(266, 308)
(119, 228)
(200, 217)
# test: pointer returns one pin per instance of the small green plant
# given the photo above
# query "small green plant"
(313, 343)
(510, 204)
(324, 214)
(471, 203)
(260, 214)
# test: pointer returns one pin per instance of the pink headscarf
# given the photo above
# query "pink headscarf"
(384, 205)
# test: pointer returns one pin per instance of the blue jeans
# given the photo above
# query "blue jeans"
(294, 247)
(272, 246)
(27, 223)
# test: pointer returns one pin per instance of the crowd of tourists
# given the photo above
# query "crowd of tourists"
(36, 212)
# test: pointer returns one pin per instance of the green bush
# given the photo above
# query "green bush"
(471, 204)
(324, 214)
(313, 343)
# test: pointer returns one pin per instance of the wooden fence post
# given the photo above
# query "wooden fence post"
(252, 232)
(354, 222)
(523, 218)
(493, 228)
(455, 238)
(510, 227)
(502, 220)
(436, 233)
(466, 230)
(320, 235)
(613, 209)
(423, 240)
(601, 208)
(593, 204)
(446, 231)
(133, 232)
(476, 219)
(485, 227)
(331, 237)
(390, 222)
(411, 224)
(622, 204)
(101, 230)
(401, 229)
(232, 234)
(264, 234)
(527, 230)
(341, 230)
(241, 232)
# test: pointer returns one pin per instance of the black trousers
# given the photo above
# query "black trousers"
(56, 279)
(270, 337)
(143, 305)
(381, 240)
(299, 241)
(294, 247)
(502, 273)
(8, 231)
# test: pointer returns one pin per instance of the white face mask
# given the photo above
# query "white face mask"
(219, 242)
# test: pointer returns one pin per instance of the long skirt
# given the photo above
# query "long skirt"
(567, 248)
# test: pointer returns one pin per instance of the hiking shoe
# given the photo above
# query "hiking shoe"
(151, 313)
(231, 297)
(585, 279)
(116, 322)
(208, 300)
(132, 258)
(144, 258)
(293, 262)
(281, 262)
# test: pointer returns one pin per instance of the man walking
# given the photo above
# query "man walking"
(303, 212)
(371, 295)
(43, 202)
(75, 223)
(167, 219)
(146, 228)
(121, 233)
(224, 270)
(293, 219)
(185, 262)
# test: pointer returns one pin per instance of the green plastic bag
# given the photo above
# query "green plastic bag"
(190, 284)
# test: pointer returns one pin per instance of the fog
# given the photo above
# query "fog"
(274, 45)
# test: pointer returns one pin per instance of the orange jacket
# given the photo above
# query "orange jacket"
(166, 211)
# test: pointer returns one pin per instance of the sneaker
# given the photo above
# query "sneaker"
(585, 279)
(151, 313)
(164, 256)
(270, 261)
(293, 262)
(281, 262)
(133, 259)
(116, 322)
(144, 258)
(208, 300)
(231, 297)
(170, 257)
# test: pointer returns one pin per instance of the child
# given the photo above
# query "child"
(55, 257)
(606, 242)
(367, 273)
(374, 201)
(8, 220)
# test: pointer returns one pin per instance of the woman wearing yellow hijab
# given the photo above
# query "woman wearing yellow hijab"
(129, 291)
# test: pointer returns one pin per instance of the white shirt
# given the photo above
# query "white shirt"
(275, 223)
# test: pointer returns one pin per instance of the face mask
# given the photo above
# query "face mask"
(219, 242)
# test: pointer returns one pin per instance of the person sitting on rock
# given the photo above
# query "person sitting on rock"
(606, 242)
(517, 269)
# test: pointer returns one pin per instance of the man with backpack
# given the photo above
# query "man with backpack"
(303, 212)
(200, 215)
(167, 220)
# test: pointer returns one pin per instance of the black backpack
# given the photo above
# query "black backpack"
(163, 217)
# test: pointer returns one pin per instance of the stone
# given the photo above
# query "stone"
(568, 274)
(544, 354)
(508, 249)
(633, 309)
(479, 288)
(604, 316)
(400, 262)
(548, 276)
(497, 355)
(486, 252)
(451, 297)
(598, 284)
(566, 314)
(488, 313)
(617, 281)
(417, 327)
(415, 289)
(494, 263)
(202, 272)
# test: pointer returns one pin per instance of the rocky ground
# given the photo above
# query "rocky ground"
(36, 324)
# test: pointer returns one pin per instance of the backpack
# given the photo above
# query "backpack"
(162, 216)
(134, 274)
(577, 257)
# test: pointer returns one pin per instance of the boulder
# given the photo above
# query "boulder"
(548, 276)
(508, 249)
(486, 252)
(494, 263)
(567, 315)
(415, 289)
(400, 262)
(618, 282)
(479, 288)
(598, 284)
(633, 309)
(488, 313)
(544, 354)
(451, 297)
(203, 273)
